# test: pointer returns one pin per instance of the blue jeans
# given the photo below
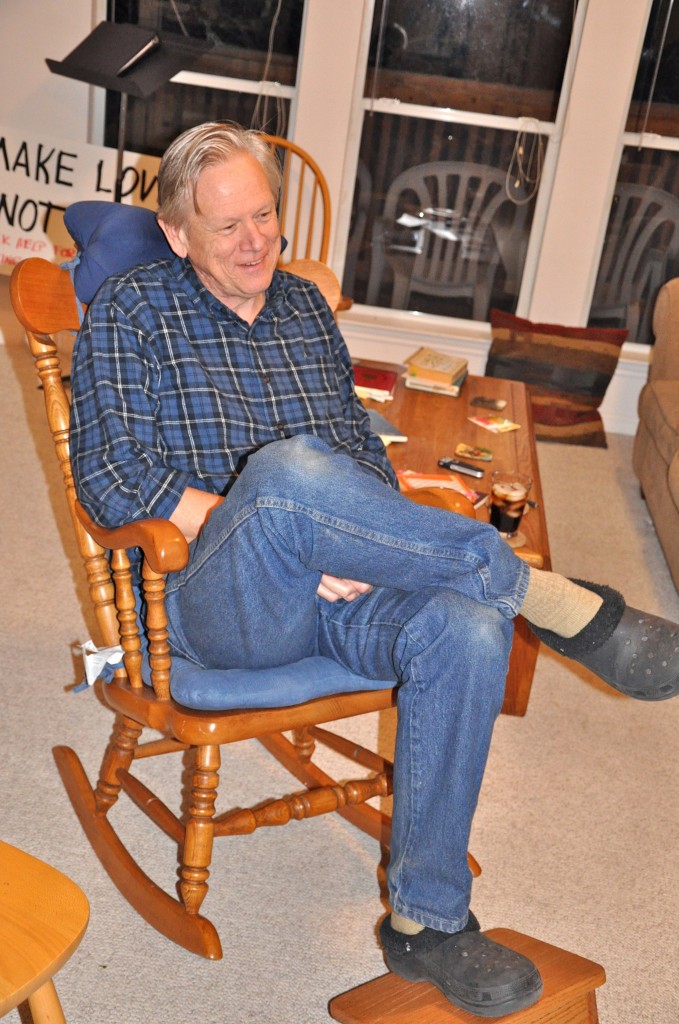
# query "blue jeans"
(438, 622)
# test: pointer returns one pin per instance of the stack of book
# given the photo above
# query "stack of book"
(438, 372)
(373, 382)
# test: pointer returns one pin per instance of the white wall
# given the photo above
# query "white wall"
(31, 97)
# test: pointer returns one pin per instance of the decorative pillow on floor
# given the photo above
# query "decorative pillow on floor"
(567, 370)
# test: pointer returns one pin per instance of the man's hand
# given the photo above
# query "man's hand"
(193, 511)
(332, 588)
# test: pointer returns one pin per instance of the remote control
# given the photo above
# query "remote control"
(460, 467)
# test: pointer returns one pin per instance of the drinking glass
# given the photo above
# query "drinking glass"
(509, 491)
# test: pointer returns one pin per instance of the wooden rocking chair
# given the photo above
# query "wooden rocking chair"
(304, 212)
(45, 303)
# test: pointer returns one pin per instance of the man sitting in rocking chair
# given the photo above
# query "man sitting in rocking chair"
(213, 390)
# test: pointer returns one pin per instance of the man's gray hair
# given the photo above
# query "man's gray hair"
(204, 146)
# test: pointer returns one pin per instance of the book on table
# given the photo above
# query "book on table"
(381, 426)
(374, 382)
(433, 387)
(434, 367)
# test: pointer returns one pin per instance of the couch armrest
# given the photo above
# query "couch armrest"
(665, 359)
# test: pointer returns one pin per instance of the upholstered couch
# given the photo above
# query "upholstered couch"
(656, 445)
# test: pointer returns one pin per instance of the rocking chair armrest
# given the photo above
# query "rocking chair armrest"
(164, 546)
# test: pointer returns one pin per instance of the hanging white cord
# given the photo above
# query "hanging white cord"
(259, 116)
(655, 70)
(527, 159)
(525, 165)
(178, 17)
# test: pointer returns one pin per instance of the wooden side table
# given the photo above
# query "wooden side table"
(43, 917)
(434, 424)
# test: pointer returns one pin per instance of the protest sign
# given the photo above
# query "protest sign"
(40, 176)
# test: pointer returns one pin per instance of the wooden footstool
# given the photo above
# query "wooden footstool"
(569, 995)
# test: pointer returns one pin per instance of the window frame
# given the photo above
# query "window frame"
(332, 63)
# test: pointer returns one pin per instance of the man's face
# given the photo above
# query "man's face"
(234, 242)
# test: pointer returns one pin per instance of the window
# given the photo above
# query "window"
(484, 56)
(472, 84)
(460, 98)
(250, 43)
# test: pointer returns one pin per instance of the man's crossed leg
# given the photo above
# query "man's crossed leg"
(437, 621)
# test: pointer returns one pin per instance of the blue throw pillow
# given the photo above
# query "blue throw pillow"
(111, 238)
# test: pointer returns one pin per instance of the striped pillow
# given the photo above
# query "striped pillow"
(567, 370)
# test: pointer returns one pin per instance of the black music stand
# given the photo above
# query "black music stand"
(132, 61)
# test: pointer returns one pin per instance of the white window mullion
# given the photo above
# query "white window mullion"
(327, 72)
(549, 167)
(353, 142)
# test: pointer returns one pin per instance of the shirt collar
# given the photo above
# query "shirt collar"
(197, 291)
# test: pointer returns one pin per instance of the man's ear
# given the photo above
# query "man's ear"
(176, 238)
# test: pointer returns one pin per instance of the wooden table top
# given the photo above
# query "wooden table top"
(434, 424)
(43, 917)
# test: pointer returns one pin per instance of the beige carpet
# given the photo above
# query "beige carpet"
(577, 829)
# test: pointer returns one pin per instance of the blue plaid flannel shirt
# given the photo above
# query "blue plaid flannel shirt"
(171, 389)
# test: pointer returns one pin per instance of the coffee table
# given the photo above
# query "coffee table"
(434, 424)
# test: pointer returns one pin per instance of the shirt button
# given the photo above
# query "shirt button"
(266, 378)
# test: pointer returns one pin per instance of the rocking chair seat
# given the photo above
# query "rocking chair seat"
(205, 689)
